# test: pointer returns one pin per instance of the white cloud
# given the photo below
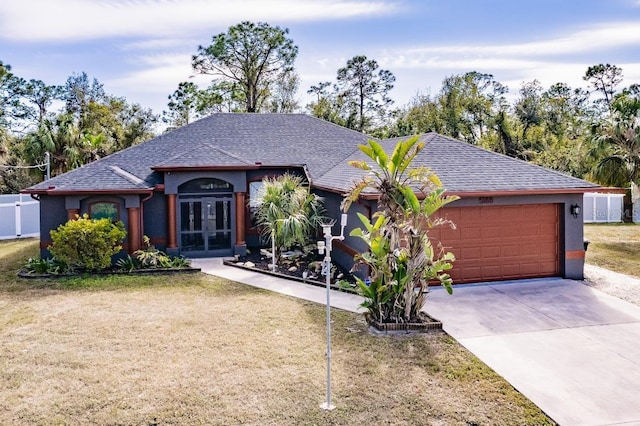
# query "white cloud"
(160, 74)
(550, 60)
(73, 20)
(597, 38)
(159, 44)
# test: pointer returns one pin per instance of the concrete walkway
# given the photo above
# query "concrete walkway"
(571, 349)
(338, 299)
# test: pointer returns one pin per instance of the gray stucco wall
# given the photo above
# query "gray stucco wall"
(332, 203)
(154, 212)
(52, 215)
(172, 180)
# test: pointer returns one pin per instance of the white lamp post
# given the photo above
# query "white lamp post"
(324, 247)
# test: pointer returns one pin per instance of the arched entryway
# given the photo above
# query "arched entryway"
(206, 217)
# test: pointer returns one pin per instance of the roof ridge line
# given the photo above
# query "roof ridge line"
(228, 153)
(128, 176)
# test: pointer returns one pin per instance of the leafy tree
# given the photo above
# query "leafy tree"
(283, 96)
(421, 115)
(137, 125)
(41, 96)
(365, 88)
(566, 110)
(183, 105)
(401, 257)
(505, 135)
(91, 124)
(468, 102)
(466, 107)
(189, 102)
(528, 107)
(604, 78)
(12, 88)
(223, 96)
(78, 92)
(287, 211)
(252, 55)
(329, 105)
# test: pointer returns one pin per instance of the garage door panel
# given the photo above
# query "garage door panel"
(470, 215)
(549, 229)
(492, 271)
(502, 242)
(490, 232)
(510, 250)
(530, 230)
(511, 270)
(491, 252)
(471, 233)
(471, 253)
(449, 234)
(511, 231)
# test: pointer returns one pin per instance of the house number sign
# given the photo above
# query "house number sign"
(486, 200)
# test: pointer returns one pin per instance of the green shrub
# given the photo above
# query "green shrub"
(87, 243)
(128, 263)
(151, 257)
(180, 262)
(44, 266)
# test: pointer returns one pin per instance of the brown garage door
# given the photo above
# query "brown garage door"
(502, 242)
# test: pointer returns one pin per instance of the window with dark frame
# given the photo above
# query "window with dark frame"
(104, 210)
(254, 194)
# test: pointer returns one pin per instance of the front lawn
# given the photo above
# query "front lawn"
(196, 349)
(614, 246)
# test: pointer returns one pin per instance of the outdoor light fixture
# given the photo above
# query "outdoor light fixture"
(324, 247)
(575, 210)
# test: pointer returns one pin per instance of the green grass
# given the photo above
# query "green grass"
(614, 246)
(195, 349)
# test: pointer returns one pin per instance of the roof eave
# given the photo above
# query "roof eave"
(504, 193)
(551, 191)
(53, 191)
(202, 168)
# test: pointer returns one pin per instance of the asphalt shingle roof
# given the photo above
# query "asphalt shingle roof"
(248, 140)
(463, 167)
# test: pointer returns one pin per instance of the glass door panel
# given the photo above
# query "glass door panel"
(218, 220)
(205, 225)
(191, 238)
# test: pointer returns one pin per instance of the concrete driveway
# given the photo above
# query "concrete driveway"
(573, 350)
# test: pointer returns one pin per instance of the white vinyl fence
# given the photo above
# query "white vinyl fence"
(603, 207)
(19, 216)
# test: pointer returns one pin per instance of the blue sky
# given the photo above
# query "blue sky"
(141, 49)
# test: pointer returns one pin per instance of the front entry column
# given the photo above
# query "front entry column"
(172, 242)
(134, 228)
(241, 245)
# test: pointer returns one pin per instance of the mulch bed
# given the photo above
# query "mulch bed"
(294, 269)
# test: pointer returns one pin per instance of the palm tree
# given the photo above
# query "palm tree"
(287, 212)
(618, 145)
